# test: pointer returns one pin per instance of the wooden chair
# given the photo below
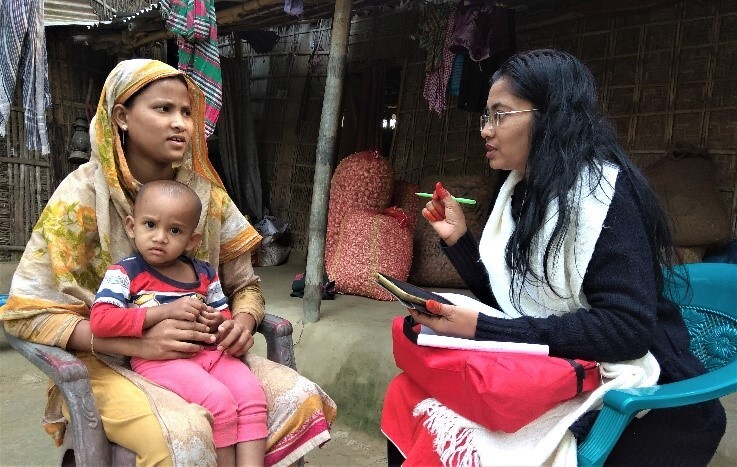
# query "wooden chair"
(709, 309)
(85, 443)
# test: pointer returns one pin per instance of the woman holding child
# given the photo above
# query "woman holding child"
(149, 126)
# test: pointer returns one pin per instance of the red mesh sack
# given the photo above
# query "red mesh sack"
(404, 197)
(369, 242)
(363, 180)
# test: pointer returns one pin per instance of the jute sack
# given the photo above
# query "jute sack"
(430, 267)
(685, 183)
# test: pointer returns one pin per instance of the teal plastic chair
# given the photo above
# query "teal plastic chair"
(709, 309)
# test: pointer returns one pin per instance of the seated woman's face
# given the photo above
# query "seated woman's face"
(159, 124)
(507, 141)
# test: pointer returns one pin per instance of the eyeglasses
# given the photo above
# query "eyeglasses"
(496, 119)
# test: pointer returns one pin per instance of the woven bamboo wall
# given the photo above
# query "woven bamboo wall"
(27, 178)
(277, 85)
(287, 92)
(25, 183)
(666, 76)
(663, 77)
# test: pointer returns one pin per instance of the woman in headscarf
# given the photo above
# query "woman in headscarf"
(148, 126)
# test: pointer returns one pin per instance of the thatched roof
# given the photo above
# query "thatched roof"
(126, 31)
(130, 30)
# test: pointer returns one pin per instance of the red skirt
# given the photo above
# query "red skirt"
(406, 431)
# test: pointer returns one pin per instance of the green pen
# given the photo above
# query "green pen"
(460, 200)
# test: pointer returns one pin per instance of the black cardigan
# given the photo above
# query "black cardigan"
(628, 317)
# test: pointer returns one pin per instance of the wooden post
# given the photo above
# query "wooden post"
(329, 121)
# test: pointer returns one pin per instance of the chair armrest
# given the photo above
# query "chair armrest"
(702, 388)
(58, 364)
(69, 373)
(279, 345)
(621, 406)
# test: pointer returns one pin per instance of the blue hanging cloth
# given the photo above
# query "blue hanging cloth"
(454, 84)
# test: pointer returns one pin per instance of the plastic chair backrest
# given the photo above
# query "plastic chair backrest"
(708, 303)
(709, 308)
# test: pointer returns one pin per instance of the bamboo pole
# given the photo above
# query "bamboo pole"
(240, 12)
(325, 154)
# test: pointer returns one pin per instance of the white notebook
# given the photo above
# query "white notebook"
(428, 338)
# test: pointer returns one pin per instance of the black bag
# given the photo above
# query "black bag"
(298, 287)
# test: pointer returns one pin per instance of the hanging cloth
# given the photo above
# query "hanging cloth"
(432, 31)
(23, 46)
(454, 85)
(488, 33)
(481, 29)
(294, 7)
(194, 23)
(435, 28)
(237, 141)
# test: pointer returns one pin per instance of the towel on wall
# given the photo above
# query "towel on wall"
(23, 47)
(194, 23)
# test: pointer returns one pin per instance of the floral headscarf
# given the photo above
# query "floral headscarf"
(127, 78)
(80, 232)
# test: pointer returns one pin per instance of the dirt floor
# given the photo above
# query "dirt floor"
(324, 352)
(348, 352)
(24, 443)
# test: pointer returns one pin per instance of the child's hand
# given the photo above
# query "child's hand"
(182, 309)
(190, 305)
(211, 318)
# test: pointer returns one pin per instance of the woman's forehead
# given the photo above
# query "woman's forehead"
(167, 86)
(134, 84)
(500, 95)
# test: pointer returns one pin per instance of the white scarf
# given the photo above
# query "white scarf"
(546, 440)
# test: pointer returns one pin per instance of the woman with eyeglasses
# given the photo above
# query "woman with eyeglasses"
(574, 255)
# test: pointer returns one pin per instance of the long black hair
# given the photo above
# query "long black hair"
(569, 134)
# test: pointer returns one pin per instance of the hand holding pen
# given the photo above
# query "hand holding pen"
(459, 200)
(445, 215)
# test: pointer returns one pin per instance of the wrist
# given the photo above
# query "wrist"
(455, 236)
(245, 318)
(155, 315)
(115, 346)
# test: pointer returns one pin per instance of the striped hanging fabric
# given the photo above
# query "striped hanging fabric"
(194, 23)
(23, 48)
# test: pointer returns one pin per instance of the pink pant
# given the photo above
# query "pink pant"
(220, 383)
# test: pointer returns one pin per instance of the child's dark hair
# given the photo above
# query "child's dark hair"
(173, 188)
